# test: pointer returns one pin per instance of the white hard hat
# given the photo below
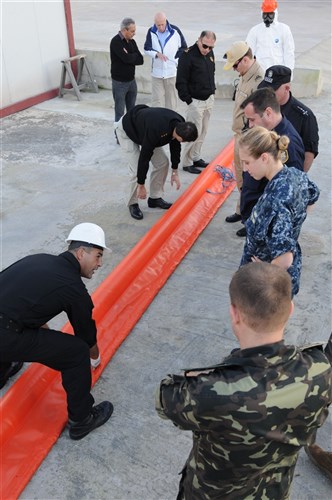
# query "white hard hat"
(88, 232)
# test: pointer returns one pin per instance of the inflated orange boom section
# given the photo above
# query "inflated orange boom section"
(33, 411)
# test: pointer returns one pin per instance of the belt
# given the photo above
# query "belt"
(9, 324)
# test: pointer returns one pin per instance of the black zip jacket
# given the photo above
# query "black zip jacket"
(195, 75)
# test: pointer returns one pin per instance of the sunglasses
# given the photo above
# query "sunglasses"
(207, 46)
(237, 63)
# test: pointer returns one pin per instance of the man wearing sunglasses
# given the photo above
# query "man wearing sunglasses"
(240, 57)
(195, 83)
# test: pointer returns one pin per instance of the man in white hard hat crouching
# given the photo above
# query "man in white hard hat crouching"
(34, 290)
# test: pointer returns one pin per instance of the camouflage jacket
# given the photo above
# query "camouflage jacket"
(249, 416)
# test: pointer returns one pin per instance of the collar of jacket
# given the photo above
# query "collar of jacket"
(72, 259)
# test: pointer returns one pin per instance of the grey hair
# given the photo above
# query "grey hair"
(126, 22)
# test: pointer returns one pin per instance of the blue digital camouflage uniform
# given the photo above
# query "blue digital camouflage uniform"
(274, 225)
(249, 415)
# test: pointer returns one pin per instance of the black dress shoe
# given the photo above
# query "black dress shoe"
(241, 232)
(8, 370)
(159, 203)
(192, 170)
(200, 163)
(98, 416)
(233, 218)
(135, 211)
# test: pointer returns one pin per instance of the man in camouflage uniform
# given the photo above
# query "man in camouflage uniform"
(250, 414)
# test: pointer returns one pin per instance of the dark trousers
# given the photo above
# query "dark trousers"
(251, 191)
(124, 95)
(63, 352)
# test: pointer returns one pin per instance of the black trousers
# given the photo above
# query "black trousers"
(63, 352)
(251, 191)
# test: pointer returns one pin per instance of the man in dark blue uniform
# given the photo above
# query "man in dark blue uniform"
(300, 116)
(262, 108)
(34, 290)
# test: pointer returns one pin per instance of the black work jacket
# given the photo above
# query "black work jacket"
(195, 75)
(36, 288)
(152, 128)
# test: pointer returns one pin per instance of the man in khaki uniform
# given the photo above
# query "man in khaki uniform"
(239, 57)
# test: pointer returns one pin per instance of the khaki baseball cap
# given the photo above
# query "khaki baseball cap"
(234, 53)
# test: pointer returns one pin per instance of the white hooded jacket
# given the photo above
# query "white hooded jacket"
(273, 45)
(174, 46)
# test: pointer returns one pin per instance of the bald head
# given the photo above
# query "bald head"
(160, 21)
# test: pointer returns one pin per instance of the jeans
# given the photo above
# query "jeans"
(124, 95)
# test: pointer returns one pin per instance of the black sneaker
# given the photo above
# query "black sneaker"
(98, 416)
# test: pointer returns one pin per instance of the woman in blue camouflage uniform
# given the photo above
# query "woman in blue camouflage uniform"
(275, 223)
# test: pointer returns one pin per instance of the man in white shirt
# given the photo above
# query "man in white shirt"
(164, 44)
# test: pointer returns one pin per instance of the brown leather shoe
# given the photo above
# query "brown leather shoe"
(322, 459)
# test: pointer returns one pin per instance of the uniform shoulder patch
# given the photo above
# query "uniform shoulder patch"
(302, 110)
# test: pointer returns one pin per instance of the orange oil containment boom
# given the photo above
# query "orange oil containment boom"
(33, 411)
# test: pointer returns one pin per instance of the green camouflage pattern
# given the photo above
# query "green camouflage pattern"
(249, 415)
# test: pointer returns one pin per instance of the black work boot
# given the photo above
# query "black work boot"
(98, 416)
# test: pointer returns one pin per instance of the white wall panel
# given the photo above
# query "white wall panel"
(5, 90)
(34, 40)
(53, 41)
